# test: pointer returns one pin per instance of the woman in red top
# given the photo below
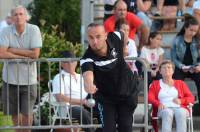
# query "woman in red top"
(170, 98)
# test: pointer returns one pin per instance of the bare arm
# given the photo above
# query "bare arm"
(143, 33)
(88, 78)
(143, 6)
(30, 53)
(190, 3)
(63, 98)
(5, 54)
(160, 4)
(159, 62)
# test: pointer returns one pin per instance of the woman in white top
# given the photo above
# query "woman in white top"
(153, 54)
(169, 99)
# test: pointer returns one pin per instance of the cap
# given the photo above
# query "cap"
(68, 54)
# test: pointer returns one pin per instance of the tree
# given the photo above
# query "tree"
(64, 13)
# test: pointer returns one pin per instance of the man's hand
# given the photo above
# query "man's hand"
(90, 88)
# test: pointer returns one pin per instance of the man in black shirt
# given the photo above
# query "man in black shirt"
(107, 75)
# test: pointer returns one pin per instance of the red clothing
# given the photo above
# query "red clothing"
(132, 19)
(184, 95)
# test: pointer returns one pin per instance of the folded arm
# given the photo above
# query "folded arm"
(5, 54)
(30, 53)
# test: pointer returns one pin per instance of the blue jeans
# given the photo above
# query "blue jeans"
(146, 20)
(167, 116)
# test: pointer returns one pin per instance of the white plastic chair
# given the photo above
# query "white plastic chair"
(58, 108)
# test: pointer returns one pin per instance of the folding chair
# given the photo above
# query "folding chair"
(189, 118)
(58, 107)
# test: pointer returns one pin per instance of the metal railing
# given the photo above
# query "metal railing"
(45, 69)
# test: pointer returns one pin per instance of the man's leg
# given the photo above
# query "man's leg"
(107, 115)
(160, 4)
(28, 97)
(86, 117)
(10, 96)
(125, 117)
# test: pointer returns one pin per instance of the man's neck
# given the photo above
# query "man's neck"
(20, 29)
(103, 51)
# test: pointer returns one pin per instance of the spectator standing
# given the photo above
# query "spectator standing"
(120, 12)
(67, 87)
(106, 74)
(20, 40)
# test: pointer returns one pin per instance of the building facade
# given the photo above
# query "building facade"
(7, 5)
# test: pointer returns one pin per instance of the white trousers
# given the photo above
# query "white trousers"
(167, 116)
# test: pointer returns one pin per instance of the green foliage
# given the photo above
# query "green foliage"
(6, 120)
(64, 13)
(53, 44)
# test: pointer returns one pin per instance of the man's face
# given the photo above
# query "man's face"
(19, 16)
(120, 10)
(97, 37)
(9, 20)
(69, 66)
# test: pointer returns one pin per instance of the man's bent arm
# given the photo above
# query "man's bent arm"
(88, 78)
(72, 101)
(144, 32)
(32, 53)
(5, 54)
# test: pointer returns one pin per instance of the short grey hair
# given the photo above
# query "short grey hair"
(164, 62)
(25, 10)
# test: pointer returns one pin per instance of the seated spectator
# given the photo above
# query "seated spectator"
(141, 9)
(169, 99)
(67, 88)
(168, 8)
(122, 25)
(185, 53)
(120, 12)
(162, 3)
(153, 54)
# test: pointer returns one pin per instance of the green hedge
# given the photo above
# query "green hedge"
(6, 120)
